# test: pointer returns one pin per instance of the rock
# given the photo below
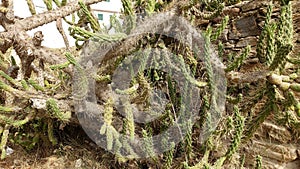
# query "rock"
(274, 155)
(9, 151)
(38, 103)
(247, 26)
(247, 41)
(231, 11)
(251, 61)
(53, 162)
(228, 45)
(233, 35)
(293, 164)
(224, 35)
(249, 77)
(252, 5)
(279, 152)
(261, 24)
(78, 163)
(217, 19)
(275, 132)
(296, 5)
(274, 164)
(296, 21)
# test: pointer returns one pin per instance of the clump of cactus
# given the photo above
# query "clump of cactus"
(36, 101)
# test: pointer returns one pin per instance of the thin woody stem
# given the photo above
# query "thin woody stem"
(50, 16)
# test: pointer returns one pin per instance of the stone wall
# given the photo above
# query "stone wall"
(274, 143)
(246, 22)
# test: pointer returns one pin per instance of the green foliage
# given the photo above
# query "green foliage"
(60, 66)
(207, 57)
(8, 78)
(73, 61)
(51, 137)
(63, 2)
(35, 85)
(285, 39)
(169, 156)
(150, 6)
(94, 23)
(3, 142)
(27, 140)
(189, 140)
(234, 100)
(220, 29)
(239, 61)
(130, 120)
(148, 146)
(232, 2)
(115, 23)
(273, 48)
(258, 164)
(269, 107)
(55, 112)
(214, 6)
(6, 87)
(220, 50)
(6, 109)
(24, 84)
(108, 116)
(48, 4)
(130, 16)
(33, 134)
(31, 7)
(110, 132)
(83, 35)
(239, 128)
(263, 37)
